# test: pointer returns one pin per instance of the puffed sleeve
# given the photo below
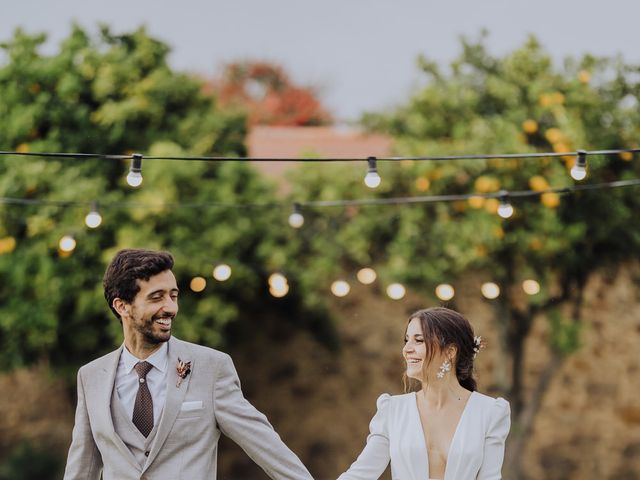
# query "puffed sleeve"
(499, 424)
(373, 460)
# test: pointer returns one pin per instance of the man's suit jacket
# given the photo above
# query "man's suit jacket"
(186, 441)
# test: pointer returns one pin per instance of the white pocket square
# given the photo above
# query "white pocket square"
(189, 406)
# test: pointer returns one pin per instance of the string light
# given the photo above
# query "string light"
(278, 285)
(296, 220)
(372, 179)
(366, 276)
(396, 291)
(579, 169)
(480, 157)
(505, 210)
(93, 218)
(134, 178)
(531, 287)
(340, 288)
(222, 272)
(490, 290)
(445, 292)
(67, 243)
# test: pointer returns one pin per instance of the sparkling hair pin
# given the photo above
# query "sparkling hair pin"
(478, 344)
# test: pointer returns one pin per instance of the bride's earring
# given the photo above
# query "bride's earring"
(444, 368)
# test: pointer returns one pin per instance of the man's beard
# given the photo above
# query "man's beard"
(146, 329)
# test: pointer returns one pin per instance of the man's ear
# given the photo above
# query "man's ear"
(121, 307)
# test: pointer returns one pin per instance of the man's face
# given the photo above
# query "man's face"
(154, 308)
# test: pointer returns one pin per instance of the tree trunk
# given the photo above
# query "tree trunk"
(523, 423)
(524, 418)
(500, 372)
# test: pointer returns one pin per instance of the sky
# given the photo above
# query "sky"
(360, 55)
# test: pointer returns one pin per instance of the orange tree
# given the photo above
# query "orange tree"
(117, 95)
(485, 104)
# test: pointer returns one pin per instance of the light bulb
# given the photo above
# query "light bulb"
(396, 291)
(445, 292)
(366, 275)
(67, 243)
(372, 179)
(340, 288)
(93, 218)
(222, 272)
(490, 290)
(578, 172)
(134, 178)
(531, 287)
(278, 281)
(579, 169)
(505, 210)
(296, 220)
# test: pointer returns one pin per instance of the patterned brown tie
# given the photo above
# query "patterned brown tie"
(143, 408)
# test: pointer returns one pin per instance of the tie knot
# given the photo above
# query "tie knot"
(142, 368)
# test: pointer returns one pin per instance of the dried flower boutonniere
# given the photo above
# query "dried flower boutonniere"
(183, 369)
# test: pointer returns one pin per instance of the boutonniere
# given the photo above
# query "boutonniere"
(182, 369)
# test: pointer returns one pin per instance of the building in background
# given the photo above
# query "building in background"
(295, 142)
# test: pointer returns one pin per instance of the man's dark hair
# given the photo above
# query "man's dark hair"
(128, 266)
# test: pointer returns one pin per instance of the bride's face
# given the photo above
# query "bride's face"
(415, 350)
(419, 367)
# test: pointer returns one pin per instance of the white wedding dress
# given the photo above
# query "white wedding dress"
(476, 451)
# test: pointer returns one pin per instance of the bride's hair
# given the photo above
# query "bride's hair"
(443, 327)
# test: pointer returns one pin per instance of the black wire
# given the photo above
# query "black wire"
(332, 203)
(68, 155)
(334, 159)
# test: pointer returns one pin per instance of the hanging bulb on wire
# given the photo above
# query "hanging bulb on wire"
(67, 243)
(396, 291)
(505, 210)
(372, 179)
(296, 220)
(134, 178)
(222, 272)
(445, 292)
(93, 218)
(579, 169)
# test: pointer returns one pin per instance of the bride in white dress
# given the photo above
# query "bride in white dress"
(446, 430)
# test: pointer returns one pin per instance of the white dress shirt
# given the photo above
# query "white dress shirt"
(127, 380)
(476, 451)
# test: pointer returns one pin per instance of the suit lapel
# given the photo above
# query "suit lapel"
(105, 385)
(175, 396)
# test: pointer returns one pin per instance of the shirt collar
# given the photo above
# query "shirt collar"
(158, 359)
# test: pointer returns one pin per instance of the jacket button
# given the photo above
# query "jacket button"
(146, 454)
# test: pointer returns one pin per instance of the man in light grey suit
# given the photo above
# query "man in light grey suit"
(155, 407)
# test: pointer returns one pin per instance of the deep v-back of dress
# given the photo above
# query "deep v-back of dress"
(451, 441)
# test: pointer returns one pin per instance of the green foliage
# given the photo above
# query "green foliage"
(565, 333)
(521, 102)
(117, 95)
(28, 462)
